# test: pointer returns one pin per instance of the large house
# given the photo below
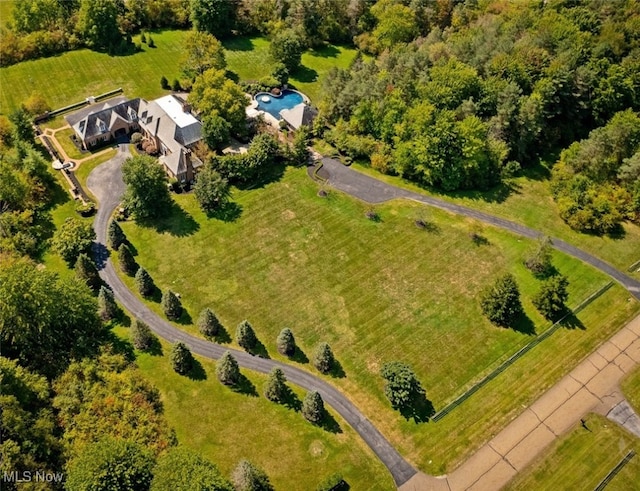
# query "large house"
(167, 122)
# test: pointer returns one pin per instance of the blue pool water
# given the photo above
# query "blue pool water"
(287, 100)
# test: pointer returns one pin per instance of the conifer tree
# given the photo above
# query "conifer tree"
(141, 336)
(208, 323)
(144, 282)
(227, 369)
(313, 407)
(181, 358)
(171, 305)
(323, 358)
(127, 262)
(285, 342)
(115, 235)
(246, 336)
(107, 308)
(275, 389)
(87, 272)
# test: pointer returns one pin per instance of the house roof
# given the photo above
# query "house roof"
(76, 116)
(299, 115)
(168, 118)
(101, 121)
(176, 161)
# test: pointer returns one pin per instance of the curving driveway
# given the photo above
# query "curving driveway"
(372, 190)
(105, 182)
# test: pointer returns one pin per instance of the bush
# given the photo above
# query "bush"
(313, 407)
(164, 83)
(126, 260)
(246, 336)
(286, 343)
(500, 302)
(227, 369)
(181, 358)
(141, 336)
(144, 283)
(208, 323)
(323, 358)
(86, 209)
(539, 262)
(175, 86)
(151, 42)
(552, 297)
(171, 305)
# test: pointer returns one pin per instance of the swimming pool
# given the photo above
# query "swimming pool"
(273, 105)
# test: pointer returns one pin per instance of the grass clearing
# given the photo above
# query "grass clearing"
(528, 201)
(376, 292)
(71, 77)
(631, 389)
(226, 426)
(63, 137)
(581, 459)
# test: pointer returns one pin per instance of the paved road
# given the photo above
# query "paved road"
(105, 182)
(372, 190)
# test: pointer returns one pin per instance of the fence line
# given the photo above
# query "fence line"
(615, 470)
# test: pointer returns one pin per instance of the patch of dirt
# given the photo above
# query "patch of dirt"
(316, 449)
(288, 215)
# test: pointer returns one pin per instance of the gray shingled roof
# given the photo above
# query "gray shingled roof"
(299, 115)
(96, 123)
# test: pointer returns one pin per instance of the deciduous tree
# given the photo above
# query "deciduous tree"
(182, 469)
(214, 16)
(552, 297)
(286, 48)
(202, 51)
(147, 194)
(72, 239)
(500, 302)
(211, 189)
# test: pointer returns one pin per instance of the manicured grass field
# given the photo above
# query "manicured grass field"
(6, 8)
(73, 76)
(631, 389)
(226, 426)
(249, 58)
(581, 459)
(64, 138)
(528, 201)
(376, 292)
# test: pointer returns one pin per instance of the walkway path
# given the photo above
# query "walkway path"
(372, 190)
(591, 387)
(105, 182)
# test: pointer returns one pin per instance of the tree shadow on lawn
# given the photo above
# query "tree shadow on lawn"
(524, 325)
(273, 174)
(176, 222)
(572, 322)
(259, 350)
(305, 74)
(100, 255)
(240, 43)
(421, 409)
(329, 51)
(120, 346)
(155, 349)
(329, 423)
(336, 370)
(197, 371)
(245, 386)
(497, 194)
(299, 357)
(291, 400)
(185, 318)
(228, 212)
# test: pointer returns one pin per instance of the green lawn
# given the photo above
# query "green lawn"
(71, 77)
(6, 9)
(631, 389)
(249, 58)
(376, 292)
(528, 201)
(226, 426)
(64, 139)
(581, 459)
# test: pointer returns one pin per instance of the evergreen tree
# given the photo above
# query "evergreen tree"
(552, 296)
(181, 358)
(285, 342)
(246, 336)
(313, 407)
(144, 282)
(127, 262)
(323, 358)
(500, 302)
(164, 83)
(208, 323)
(115, 235)
(402, 386)
(248, 477)
(183, 469)
(107, 308)
(275, 389)
(141, 336)
(227, 369)
(171, 305)
(87, 272)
